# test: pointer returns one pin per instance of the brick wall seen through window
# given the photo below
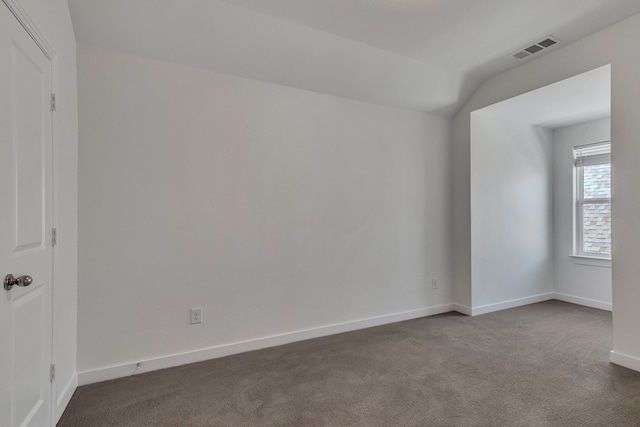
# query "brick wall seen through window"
(596, 218)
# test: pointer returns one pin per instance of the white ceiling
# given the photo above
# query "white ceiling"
(426, 55)
(450, 31)
(586, 96)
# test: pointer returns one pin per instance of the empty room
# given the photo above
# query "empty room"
(319, 213)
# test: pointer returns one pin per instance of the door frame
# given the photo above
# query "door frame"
(25, 20)
(41, 41)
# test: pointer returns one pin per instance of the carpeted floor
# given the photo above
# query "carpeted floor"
(545, 364)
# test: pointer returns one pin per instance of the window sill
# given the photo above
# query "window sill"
(591, 260)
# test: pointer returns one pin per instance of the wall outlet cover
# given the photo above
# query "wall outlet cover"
(196, 315)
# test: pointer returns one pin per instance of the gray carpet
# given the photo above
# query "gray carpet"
(545, 364)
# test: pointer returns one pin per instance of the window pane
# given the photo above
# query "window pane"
(596, 223)
(597, 181)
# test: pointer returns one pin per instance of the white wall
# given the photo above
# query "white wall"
(53, 20)
(511, 212)
(274, 209)
(586, 284)
(610, 46)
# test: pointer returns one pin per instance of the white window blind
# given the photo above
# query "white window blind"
(593, 154)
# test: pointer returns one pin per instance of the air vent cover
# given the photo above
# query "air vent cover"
(536, 47)
(548, 42)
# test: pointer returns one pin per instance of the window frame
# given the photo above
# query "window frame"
(580, 202)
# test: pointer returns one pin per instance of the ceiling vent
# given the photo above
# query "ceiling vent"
(536, 47)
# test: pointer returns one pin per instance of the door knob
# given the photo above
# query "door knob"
(10, 281)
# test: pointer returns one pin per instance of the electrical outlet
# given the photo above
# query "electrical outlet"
(196, 315)
(434, 283)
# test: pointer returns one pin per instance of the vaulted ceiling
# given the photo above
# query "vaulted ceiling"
(426, 55)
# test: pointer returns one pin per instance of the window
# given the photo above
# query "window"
(593, 200)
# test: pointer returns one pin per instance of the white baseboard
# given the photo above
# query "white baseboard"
(63, 398)
(168, 361)
(625, 360)
(462, 309)
(483, 309)
(583, 301)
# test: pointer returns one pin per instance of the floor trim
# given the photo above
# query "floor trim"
(462, 309)
(625, 360)
(583, 301)
(162, 362)
(489, 308)
(64, 398)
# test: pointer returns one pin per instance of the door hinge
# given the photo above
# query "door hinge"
(54, 236)
(52, 372)
(53, 102)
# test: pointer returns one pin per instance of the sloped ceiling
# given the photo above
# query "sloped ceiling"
(425, 55)
(586, 96)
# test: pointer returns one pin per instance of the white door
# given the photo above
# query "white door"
(25, 227)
